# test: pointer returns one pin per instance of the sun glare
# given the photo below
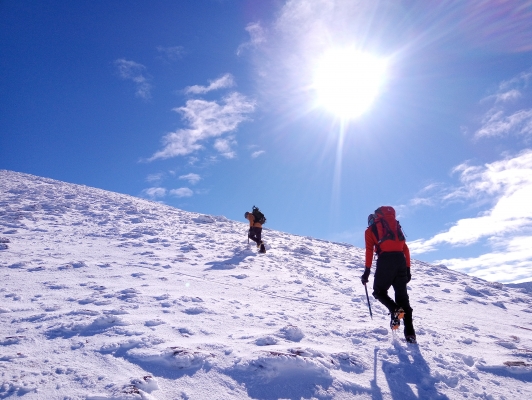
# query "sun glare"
(348, 81)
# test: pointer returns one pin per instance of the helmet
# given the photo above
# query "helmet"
(246, 214)
(371, 219)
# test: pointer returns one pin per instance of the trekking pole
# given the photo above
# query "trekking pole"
(369, 305)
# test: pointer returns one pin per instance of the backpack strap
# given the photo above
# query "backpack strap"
(376, 233)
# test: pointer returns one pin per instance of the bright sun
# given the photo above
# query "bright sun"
(347, 81)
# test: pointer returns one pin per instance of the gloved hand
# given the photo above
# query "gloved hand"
(365, 276)
(408, 275)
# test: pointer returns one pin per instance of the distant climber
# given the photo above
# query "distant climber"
(256, 219)
(385, 237)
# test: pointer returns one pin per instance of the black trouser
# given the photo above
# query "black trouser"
(255, 234)
(392, 271)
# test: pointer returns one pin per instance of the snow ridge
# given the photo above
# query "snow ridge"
(108, 296)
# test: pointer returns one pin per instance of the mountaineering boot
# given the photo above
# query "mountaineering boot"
(262, 248)
(411, 339)
(397, 316)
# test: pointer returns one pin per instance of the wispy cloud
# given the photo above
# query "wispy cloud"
(510, 114)
(506, 186)
(181, 192)
(191, 178)
(255, 154)
(257, 36)
(498, 124)
(225, 81)
(224, 146)
(135, 72)
(154, 192)
(155, 177)
(206, 119)
(171, 53)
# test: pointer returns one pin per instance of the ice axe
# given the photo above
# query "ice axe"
(369, 305)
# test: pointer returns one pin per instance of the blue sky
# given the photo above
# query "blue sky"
(215, 105)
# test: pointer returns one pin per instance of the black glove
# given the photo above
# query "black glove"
(408, 275)
(365, 276)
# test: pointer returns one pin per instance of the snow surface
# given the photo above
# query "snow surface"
(107, 296)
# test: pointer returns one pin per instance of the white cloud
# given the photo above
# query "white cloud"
(255, 154)
(154, 192)
(155, 177)
(520, 80)
(193, 160)
(513, 263)
(191, 178)
(506, 185)
(498, 124)
(182, 192)
(225, 81)
(223, 145)
(171, 53)
(207, 119)
(257, 37)
(133, 71)
(509, 116)
(510, 95)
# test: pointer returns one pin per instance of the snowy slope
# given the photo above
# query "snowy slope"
(107, 296)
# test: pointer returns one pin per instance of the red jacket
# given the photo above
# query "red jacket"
(386, 246)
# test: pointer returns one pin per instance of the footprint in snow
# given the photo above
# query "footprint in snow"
(9, 340)
(128, 294)
(380, 333)
(98, 325)
(84, 312)
(511, 345)
(195, 310)
(173, 357)
(145, 384)
(349, 362)
(21, 264)
(303, 250)
(154, 322)
(55, 286)
(266, 341)
(185, 332)
(115, 312)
